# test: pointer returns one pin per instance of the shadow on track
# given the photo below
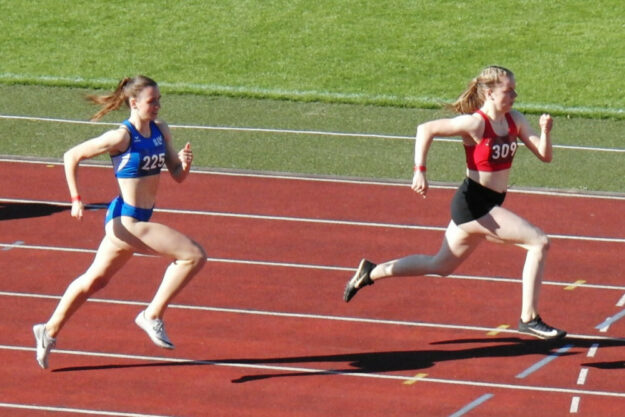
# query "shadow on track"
(378, 362)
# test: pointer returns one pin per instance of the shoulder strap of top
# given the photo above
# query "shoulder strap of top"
(488, 129)
(512, 129)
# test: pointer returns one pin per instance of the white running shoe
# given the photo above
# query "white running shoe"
(155, 329)
(45, 344)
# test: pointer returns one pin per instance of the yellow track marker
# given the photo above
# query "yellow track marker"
(416, 378)
(575, 285)
(499, 329)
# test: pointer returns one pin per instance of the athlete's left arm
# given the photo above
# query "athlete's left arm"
(178, 163)
(540, 145)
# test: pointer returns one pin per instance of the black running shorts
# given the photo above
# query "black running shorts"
(472, 201)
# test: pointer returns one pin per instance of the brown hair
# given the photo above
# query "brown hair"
(127, 88)
(473, 97)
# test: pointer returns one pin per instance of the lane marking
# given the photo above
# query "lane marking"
(593, 350)
(610, 320)
(415, 379)
(464, 410)
(499, 329)
(583, 374)
(332, 222)
(337, 180)
(575, 285)
(322, 267)
(621, 301)
(304, 316)
(13, 245)
(551, 357)
(76, 410)
(574, 405)
(314, 371)
(296, 132)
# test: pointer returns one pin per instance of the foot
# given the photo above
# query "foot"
(44, 343)
(360, 279)
(538, 328)
(155, 328)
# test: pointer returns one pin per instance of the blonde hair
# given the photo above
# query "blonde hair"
(473, 97)
(127, 88)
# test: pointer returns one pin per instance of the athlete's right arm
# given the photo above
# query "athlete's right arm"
(113, 141)
(463, 126)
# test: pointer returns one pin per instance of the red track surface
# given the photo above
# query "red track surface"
(263, 330)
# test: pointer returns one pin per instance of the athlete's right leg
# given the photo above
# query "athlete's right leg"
(108, 260)
(456, 247)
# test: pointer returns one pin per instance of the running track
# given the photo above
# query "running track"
(263, 330)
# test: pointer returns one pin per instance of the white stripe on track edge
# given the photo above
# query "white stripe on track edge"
(313, 371)
(364, 320)
(76, 410)
(304, 220)
(336, 180)
(321, 267)
(296, 132)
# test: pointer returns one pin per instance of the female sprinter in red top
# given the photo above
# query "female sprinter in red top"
(489, 128)
(139, 148)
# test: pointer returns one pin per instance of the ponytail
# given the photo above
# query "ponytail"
(127, 88)
(473, 97)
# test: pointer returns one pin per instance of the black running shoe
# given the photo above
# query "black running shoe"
(360, 279)
(540, 329)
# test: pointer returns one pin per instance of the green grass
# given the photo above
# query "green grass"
(567, 55)
(344, 66)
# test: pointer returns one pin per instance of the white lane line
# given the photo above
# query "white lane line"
(314, 371)
(75, 410)
(621, 301)
(336, 180)
(295, 132)
(13, 245)
(593, 350)
(321, 267)
(332, 222)
(366, 320)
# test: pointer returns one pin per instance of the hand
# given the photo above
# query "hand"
(420, 183)
(78, 209)
(186, 156)
(546, 123)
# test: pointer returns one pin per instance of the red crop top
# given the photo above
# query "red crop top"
(493, 153)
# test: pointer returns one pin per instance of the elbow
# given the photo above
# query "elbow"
(69, 158)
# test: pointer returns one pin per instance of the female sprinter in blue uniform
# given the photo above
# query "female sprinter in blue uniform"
(138, 148)
(489, 129)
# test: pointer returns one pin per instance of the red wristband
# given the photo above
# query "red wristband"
(75, 198)
(420, 168)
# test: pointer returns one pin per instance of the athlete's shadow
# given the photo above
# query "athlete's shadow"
(370, 362)
(382, 362)
(410, 361)
(13, 211)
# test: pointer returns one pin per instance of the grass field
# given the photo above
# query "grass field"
(351, 66)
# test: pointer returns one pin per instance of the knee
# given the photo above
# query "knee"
(196, 258)
(541, 244)
(89, 284)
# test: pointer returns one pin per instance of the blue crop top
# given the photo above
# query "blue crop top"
(144, 156)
